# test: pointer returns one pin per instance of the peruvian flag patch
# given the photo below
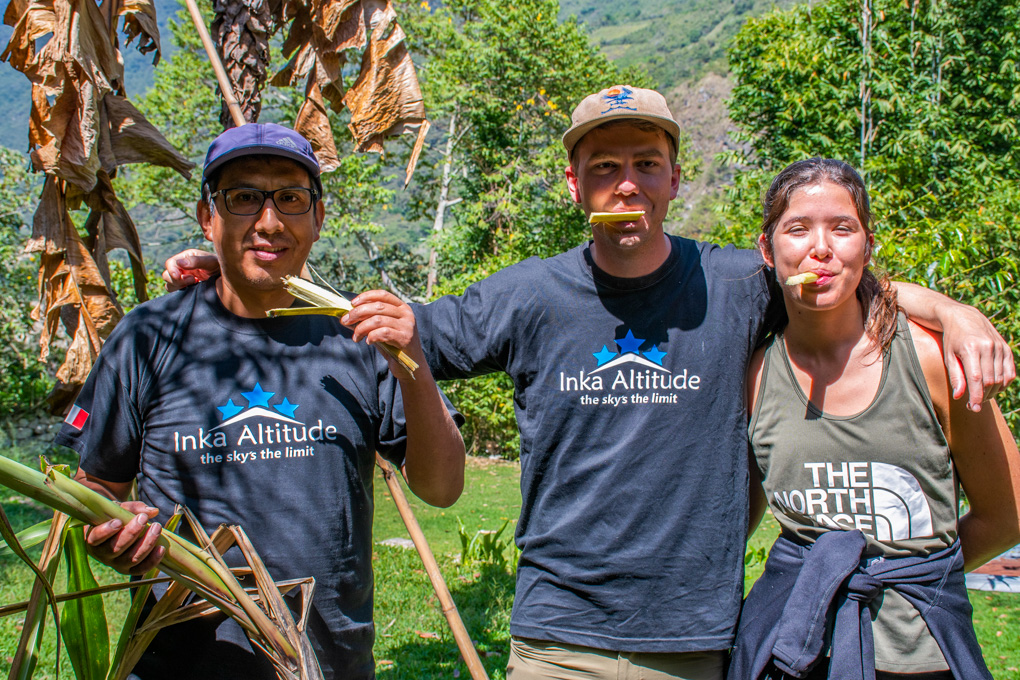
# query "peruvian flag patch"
(77, 417)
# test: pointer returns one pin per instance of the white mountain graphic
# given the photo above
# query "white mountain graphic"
(630, 359)
(901, 510)
(258, 411)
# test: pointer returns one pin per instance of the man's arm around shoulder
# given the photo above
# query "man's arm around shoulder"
(978, 359)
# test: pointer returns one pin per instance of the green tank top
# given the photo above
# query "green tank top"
(886, 471)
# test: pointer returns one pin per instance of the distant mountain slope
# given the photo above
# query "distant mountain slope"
(17, 92)
(682, 45)
(674, 40)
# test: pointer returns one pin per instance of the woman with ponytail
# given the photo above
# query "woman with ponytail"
(861, 453)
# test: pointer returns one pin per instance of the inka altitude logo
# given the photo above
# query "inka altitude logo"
(881, 500)
(629, 375)
(260, 430)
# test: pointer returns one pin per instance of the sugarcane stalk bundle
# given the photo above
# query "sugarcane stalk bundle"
(200, 569)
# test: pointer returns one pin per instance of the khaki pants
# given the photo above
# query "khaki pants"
(541, 660)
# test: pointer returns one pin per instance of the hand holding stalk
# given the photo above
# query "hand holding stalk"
(381, 319)
(392, 337)
(131, 548)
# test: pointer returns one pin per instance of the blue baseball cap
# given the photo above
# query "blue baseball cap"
(256, 139)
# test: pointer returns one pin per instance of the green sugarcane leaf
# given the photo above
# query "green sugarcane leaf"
(29, 538)
(83, 624)
(27, 655)
(138, 599)
(31, 483)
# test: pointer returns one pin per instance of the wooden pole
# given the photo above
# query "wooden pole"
(460, 634)
(221, 74)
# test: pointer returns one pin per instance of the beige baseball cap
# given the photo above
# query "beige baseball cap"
(617, 102)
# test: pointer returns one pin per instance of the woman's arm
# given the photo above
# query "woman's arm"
(986, 459)
(989, 468)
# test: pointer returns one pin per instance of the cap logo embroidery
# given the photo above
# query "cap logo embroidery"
(286, 141)
(616, 98)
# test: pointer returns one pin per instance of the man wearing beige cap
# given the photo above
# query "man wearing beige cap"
(628, 356)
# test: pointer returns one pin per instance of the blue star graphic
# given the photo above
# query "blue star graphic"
(629, 343)
(655, 354)
(286, 408)
(604, 356)
(230, 409)
(258, 397)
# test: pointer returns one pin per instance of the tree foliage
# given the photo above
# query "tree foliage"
(512, 72)
(24, 378)
(183, 102)
(921, 97)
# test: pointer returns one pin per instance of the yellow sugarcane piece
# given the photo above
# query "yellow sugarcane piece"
(806, 277)
(305, 311)
(607, 217)
(327, 302)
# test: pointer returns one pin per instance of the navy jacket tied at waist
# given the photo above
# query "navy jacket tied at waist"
(808, 592)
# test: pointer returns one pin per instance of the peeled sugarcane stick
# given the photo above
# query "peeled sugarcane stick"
(326, 301)
(460, 634)
(607, 217)
(806, 277)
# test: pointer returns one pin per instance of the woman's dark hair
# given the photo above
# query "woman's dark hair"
(876, 295)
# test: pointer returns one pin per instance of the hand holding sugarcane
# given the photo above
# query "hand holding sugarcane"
(130, 548)
(381, 318)
(325, 300)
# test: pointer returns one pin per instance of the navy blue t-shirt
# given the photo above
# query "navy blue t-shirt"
(271, 424)
(629, 395)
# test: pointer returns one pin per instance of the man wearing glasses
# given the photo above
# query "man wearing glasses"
(269, 423)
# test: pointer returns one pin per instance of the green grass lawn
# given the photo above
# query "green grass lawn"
(413, 640)
(407, 614)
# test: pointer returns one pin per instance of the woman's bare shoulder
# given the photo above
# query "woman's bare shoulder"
(928, 347)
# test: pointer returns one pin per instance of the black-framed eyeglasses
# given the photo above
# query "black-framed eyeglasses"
(244, 201)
